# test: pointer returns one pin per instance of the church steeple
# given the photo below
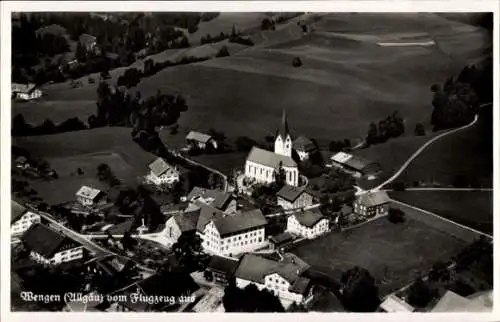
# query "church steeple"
(283, 129)
(283, 140)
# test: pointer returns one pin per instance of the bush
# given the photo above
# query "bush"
(398, 186)
(420, 294)
(297, 62)
(419, 130)
(396, 216)
(223, 52)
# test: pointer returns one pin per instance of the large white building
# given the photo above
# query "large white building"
(48, 246)
(88, 196)
(162, 173)
(21, 219)
(284, 279)
(308, 224)
(262, 165)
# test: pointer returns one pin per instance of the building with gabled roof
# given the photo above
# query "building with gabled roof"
(21, 219)
(291, 197)
(372, 203)
(49, 246)
(222, 269)
(88, 196)
(355, 165)
(284, 279)
(304, 147)
(162, 173)
(88, 42)
(201, 140)
(181, 223)
(25, 92)
(308, 224)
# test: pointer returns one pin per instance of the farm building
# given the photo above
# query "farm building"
(48, 246)
(308, 224)
(261, 165)
(355, 165)
(182, 223)
(201, 140)
(222, 269)
(217, 198)
(284, 279)
(88, 196)
(25, 92)
(21, 219)
(290, 197)
(162, 173)
(372, 203)
(304, 147)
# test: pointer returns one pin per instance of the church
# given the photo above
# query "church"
(261, 165)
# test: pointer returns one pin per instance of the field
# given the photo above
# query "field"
(470, 208)
(346, 81)
(86, 150)
(223, 162)
(468, 153)
(393, 253)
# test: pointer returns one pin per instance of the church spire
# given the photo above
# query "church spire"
(283, 129)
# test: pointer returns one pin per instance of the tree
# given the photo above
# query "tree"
(398, 186)
(79, 171)
(419, 293)
(439, 272)
(81, 52)
(280, 176)
(148, 67)
(103, 171)
(396, 215)
(266, 24)
(127, 241)
(250, 299)
(223, 52)
(419, 129)
(297, 62)
(359, 292)
(373, 136)
(189, 253)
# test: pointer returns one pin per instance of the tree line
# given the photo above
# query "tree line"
(390, 127)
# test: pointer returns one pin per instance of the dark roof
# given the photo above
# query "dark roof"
(281, 238)
(86, 39)
(308, 218)
(187, 221)
(207, 213)
(198, 136)
(159, 167)
(304, 144)
(283, 130)
(203, 192)
(290, 193)
(270, 159)
(46, 241)
(223, 264)
(353, 161)
(235, 223)
(17, 211)
(121, 228)
(373, 198)
(222, 200)
(301, 285)
(345, 210)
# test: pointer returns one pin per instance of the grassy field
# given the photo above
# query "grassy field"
(468, 153)
(223, 162)
(393, 253)
(470, 208)
(86, 150)
(345, 81)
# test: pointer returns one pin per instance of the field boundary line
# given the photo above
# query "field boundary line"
(442, 218)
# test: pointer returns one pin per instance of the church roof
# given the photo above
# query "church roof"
(270, 159)
(283, 130)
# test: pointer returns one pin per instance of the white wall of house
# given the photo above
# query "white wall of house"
(232, 245)
(23, 223)
(64, 256)
(169, 177)
(304, 200)
(303, 155)
(264, 174)
(361, 209)
(295, 227)
(36, 93)
(274, 284)
(85, 201)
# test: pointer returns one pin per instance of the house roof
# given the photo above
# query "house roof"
(303, 144)
(238, 222)
(290, 193)
(159, 167)
(88, 192)
(46, 241)
(207, 214)
(187, 220)
(345, 210)
(197, 192)
(452, 302)
(222, 200)
(223, 264)
(373, 198)
(281, 238)
(308, 218)
(198, 136)
(16, 211)
(393, 304)
(255, 268)
(22, 88)
(86, 38)
(270, 159)
(352, 161)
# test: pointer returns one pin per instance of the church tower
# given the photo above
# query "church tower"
(283, 141)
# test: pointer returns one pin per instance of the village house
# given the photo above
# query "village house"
(181, 223)
(21, 219)
(201, 140)
(88, 42)
(284, 279)
(88, 196)
(262, 165)
(162, 173)
(217, 198)
(304, 147)
(372, 203)
(111, 272)
(356, 166)
(277, 242)
(25, 92)
(291, 197)
(228, 235)
(221, 269)
(22, 162)
(308, 224)
(49, 246)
